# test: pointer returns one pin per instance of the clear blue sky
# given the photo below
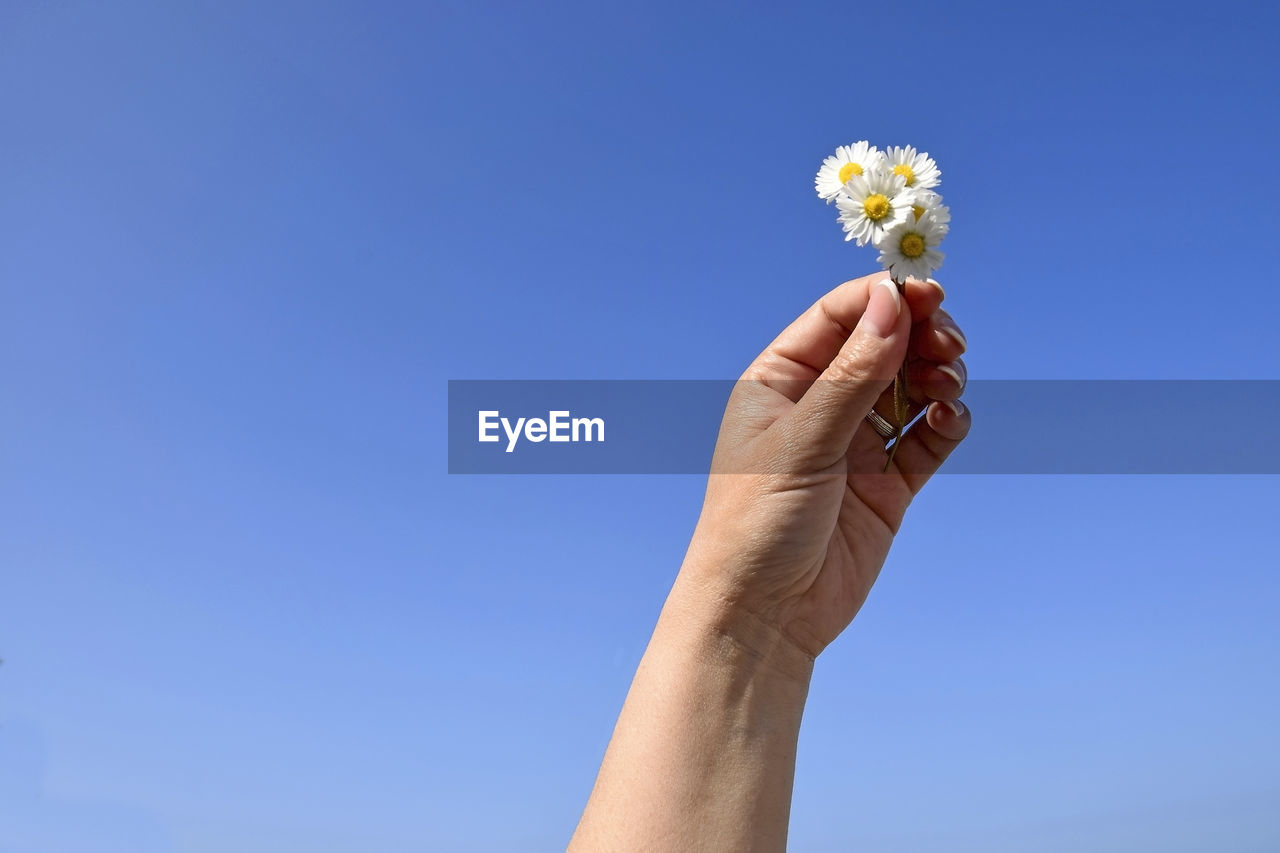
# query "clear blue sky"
(243, 246)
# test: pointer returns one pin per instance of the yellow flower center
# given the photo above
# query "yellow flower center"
(876, 207)
(918, 211)
(848, 170)
(911, 245)
(905, 171)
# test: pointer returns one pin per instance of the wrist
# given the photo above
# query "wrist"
(733, 636)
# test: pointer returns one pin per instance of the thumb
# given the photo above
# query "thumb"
(824, 420)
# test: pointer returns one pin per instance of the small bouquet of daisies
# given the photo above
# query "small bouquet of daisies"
(889, 199)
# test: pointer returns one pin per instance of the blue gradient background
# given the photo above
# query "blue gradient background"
(243, 246)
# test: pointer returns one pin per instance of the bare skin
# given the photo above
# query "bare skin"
(798, 518)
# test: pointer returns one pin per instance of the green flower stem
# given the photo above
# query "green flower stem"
(901, 400)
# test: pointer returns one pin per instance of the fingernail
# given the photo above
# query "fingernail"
(952, 372)
(956, 407)
(934, 282)
(883, 308)
(956, 335)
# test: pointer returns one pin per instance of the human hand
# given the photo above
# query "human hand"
(800, 511)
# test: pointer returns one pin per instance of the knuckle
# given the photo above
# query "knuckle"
(852, 362)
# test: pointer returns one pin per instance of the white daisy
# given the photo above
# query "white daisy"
(871, 203)
(928, 201)
(910, 247)
(848, 161)
(918, 168)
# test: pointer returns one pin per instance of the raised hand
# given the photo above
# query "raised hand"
(800, 512)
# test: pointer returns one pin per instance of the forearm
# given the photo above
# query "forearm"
(703, 754)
